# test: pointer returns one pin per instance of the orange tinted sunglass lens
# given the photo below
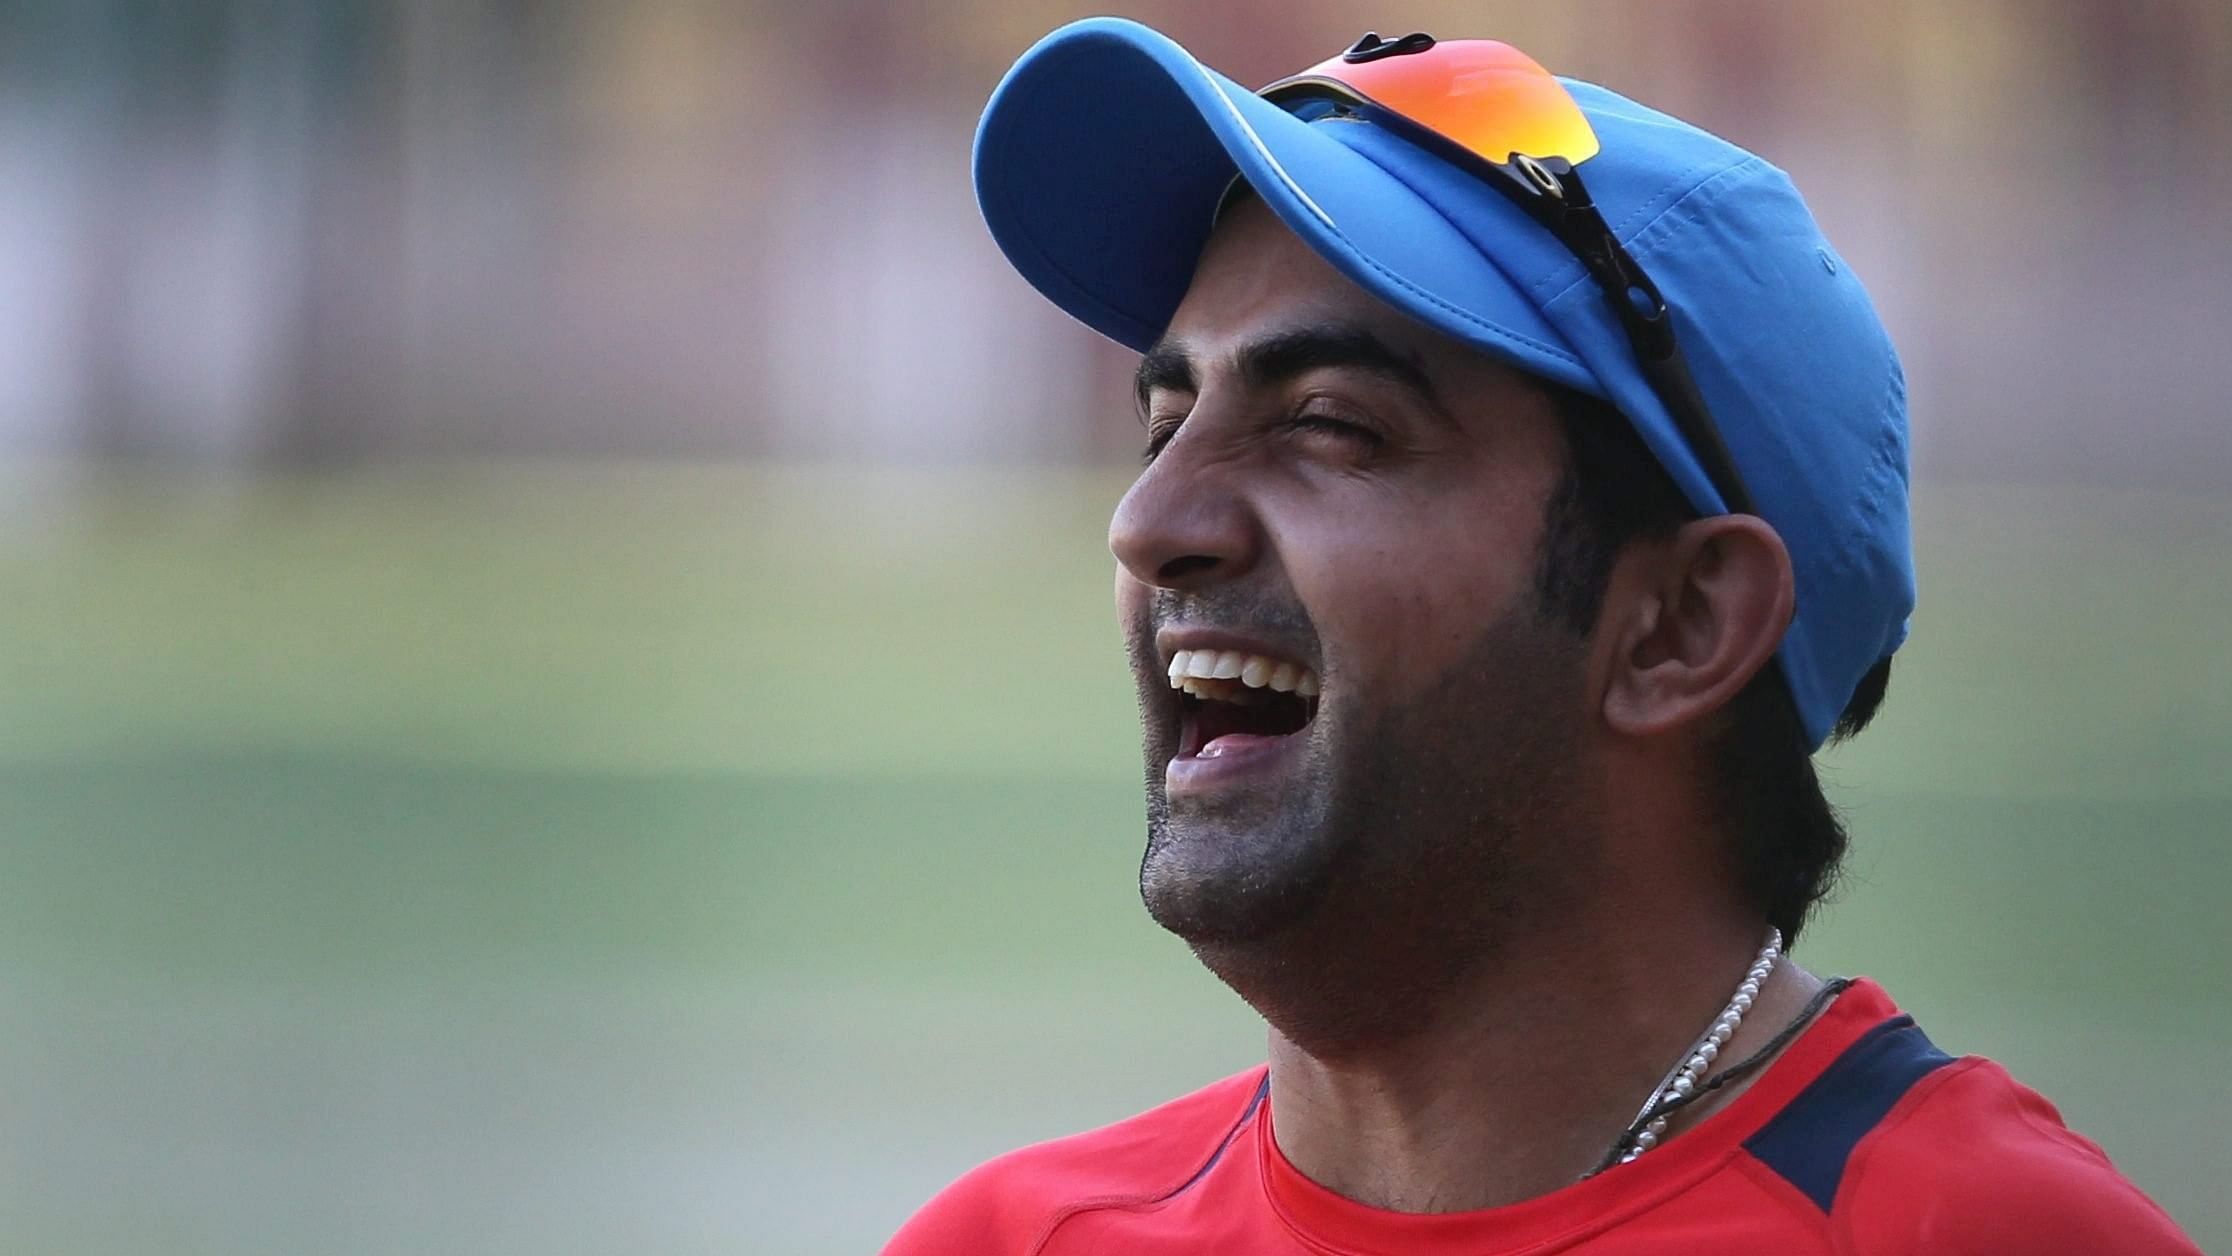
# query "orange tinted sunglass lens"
(1487, 96)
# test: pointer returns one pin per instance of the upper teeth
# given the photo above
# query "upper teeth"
(1190, 668)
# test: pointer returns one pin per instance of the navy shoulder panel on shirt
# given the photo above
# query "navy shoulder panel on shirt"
(1810, 1140)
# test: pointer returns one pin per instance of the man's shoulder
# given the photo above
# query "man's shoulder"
(1007, 1204)
(1973, 1161)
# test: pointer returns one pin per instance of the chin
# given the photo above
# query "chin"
(1242, 871)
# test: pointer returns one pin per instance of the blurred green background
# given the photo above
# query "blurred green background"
(558, 686)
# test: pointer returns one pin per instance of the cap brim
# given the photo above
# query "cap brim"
(1104, 153)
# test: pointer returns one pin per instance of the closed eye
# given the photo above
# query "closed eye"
(1328, 425)
(1160, 432)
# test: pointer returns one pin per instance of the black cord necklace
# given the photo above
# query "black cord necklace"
(1735, 1072)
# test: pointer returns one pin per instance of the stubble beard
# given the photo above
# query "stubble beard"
(1421, 843)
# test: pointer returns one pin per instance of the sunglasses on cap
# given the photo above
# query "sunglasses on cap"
(1489, 109)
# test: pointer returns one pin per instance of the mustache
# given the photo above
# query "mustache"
(1276, 619)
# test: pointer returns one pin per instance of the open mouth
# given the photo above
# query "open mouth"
(1234, 701)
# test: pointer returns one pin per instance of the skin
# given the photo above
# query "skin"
(1479, 900)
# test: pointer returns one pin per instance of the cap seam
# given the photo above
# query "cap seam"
(1654, 213)
(1650, 238)
(1883, 463)
(1840, 558)
(1650, 208)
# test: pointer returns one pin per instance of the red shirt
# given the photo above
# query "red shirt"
(1861, 1138)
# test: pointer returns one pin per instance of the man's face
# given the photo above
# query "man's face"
(1356, 501)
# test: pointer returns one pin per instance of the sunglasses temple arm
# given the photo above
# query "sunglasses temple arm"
(1669, 377)
(1649, 323)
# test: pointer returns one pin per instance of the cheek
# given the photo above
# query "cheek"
(1399, 602)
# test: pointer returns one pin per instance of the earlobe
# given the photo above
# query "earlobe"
(1708, 610)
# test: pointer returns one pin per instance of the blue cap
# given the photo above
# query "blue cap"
(1104, 153)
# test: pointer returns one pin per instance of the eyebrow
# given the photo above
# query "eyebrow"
(1281, 355)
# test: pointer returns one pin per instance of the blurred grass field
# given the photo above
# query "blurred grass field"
(552, 858)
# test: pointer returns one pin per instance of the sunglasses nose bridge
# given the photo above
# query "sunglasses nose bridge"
(1371, 47)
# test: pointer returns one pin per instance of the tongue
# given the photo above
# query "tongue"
(1229, 743)
(1235, 724)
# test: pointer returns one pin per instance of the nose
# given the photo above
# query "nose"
(1185, 524)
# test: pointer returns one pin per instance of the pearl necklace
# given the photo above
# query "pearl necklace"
(1683, 1081)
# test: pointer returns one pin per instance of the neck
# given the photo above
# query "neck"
(1527, 1077)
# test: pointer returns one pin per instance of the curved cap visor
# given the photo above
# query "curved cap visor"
(1106, 150)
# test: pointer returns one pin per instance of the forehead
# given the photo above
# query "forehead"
(1254, 272)
(1256, 279)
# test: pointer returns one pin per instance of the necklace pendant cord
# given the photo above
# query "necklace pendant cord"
(1631, 1142)
(1682, 1082)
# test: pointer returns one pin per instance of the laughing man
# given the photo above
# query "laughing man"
(1525, 501)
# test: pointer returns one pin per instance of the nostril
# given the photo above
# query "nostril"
(1180, 568)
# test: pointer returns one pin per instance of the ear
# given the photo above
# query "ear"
(1692, 620)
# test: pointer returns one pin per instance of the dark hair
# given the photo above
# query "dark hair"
(1786, 840)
